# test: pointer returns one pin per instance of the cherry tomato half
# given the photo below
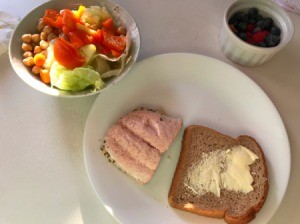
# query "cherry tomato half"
(117, 43)
(52, 18)
(68, 19)
(66, 54)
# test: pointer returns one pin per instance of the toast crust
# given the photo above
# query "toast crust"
(179, 196)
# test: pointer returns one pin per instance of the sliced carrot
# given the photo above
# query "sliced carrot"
(44, 75)
(39, 59)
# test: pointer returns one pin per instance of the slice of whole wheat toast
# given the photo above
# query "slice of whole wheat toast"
(235, 207)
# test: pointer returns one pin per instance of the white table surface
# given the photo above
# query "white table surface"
(42, 173)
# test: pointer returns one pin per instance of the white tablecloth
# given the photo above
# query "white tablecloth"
(42, 173)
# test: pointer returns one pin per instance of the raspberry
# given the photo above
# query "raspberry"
(259, 36)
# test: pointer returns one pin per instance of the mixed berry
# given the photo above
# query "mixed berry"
(255, 29)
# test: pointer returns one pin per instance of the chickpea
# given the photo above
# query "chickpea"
(36, 70)
(37, 49)
(28, 61)
(44, 44)
(51, 36)
(47, 29)
(35, 38)
(41, 25)
(27, 54)
(26, 38)
(26, 47)
(43, 36)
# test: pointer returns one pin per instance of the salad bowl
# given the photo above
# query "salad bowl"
(28, 25)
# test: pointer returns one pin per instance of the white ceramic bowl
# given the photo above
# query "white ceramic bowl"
(29, 25)
(246, 54)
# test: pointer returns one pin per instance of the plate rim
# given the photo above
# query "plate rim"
(247, 78)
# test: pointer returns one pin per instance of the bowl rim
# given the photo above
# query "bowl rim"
(268, 4)
(38, 85)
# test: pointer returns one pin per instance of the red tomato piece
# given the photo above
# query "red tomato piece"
(68, 19)
(108, 23)
(66, 30)
(66, 54)
(79, 38)
(104, 50)
(87, 39)
(52, 18)
(117, 43)
(98, 37)
(76, 39)
(116, 53)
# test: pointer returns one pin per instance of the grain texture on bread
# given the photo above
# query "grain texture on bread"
(234, 207)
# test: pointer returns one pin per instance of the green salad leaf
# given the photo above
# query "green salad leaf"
(76, 79)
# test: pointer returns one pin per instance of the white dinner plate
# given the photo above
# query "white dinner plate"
(200, 90)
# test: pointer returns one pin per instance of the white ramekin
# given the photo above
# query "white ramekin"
(246, 54)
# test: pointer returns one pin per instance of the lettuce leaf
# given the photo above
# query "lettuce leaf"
(76, 79)
(95, 14)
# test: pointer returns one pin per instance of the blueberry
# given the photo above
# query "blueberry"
(268, 22)
(239, 15)
(256, 29)
(265, 23)
(275, 30)
(261, 44)
(258, 17)
(272, 40)
(233, 21)
(241, 27)
(251, 20)
(260, 23)
(253, 11)
(245, 18)
(242, 36)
